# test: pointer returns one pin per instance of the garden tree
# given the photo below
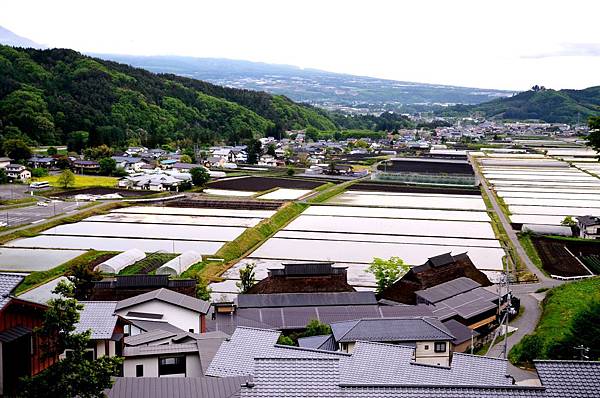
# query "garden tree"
(39, 172)
(271, 150)
(387, 272)
(185, 159)
(120, 172)
(107, 166)
(62, 162)
(290, 171)
(189, 152)
(316, 328)
(66, 179)
(285, 340)
(99, 152)
(253, 149)
(594, 136)
(76, 375)
(77, 141)
(311, 134)
(16, 149)
(3, 177)
(51, 151)
(199, 176)
(568, 221)
(82, 276)
(247, 279)
(203, 291)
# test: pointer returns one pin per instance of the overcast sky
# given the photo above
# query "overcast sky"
(481, 43)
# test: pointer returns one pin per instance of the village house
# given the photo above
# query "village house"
(85, 165)
(4, 161)
(589, 227)
(17, 172)
(164, 305)
(121, 287)
(42, 162)
(129, 163)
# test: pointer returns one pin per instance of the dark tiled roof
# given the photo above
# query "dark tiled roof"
(447, 289)
(391, 329)
(324, 342)
(305, 299)
(8, 283)
(588, 220)
(176, 387)
(570, 379)
(148, 337)
(466, 305)
(168, 296)
(304, 269)
(160, 349)
(441, 260)
(460, 332)
(154, 325)
(99, 317)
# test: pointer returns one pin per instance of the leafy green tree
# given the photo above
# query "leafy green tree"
(285, 340)
(51, 151)
(254, 148)
(185, 159)
(316, 328)
(311, 134)
(76, 375)
(271, 150)
(120, 172)
(62, 162)
(107, 166)
(3, 177)
(594, 136)
(247, 278)
(27, 110)
(77, 141)
(99, 152)
(82, 276)
(568, 221)
(290, 171)
(199, 176)
(66, 179)
(39, 172)
(16, 149)
(387, 272)
(530, 348)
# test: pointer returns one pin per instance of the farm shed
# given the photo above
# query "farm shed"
(117, 263)
(540, 229)
(180, 263)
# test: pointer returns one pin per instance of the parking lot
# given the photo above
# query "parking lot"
(34, 214)
(13, 191)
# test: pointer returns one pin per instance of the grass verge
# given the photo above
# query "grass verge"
(15, 203)
(38, 278)
(328, 192)
(559, 308)
(528, 246)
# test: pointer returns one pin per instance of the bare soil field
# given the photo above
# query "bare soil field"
(387, 187)
(103, 191)
(258, 184)
(557, 258)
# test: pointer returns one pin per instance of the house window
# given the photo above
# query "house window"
(440, 347)
(191, 330)
(139, 370)
(426, 347)
(171, 366)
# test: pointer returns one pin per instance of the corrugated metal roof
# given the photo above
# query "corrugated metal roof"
(305, 299)
(167, 296)
(466, 305)
(448, 289)
(176, 387)
(460, 332)
(13, 333)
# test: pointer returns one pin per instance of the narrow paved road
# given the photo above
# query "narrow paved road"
(525, 292)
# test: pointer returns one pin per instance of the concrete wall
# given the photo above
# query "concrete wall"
(192, 365)
(181, 317)
(425, 353)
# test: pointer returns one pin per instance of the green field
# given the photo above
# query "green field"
(560, 307)
(82, 181)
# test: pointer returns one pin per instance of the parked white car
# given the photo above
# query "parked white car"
(43, 204)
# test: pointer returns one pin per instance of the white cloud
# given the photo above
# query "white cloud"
(472, 43)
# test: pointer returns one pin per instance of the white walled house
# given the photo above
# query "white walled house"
(164, 305)
(589, 227)
(17, 172)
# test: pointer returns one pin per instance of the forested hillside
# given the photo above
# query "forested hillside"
(54, 96)
(562, 106)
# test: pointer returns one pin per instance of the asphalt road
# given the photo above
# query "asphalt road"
(13, 191)
(35, 214)
(526, 292)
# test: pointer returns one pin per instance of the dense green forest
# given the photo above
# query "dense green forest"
(539, 103)
(51, 96)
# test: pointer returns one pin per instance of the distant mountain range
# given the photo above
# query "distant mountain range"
(553, 106)
(12, 39)
(330, 90)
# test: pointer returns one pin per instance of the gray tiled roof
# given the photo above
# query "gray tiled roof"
(460, 332)
(99, 317)
(305, 299)
(168, 296)
(8, 283)
(370, 363)
(391, 329)
(324, 342)
(570, 379)
(175, 387)
(148, 337)
(146, 350)
(447, 289)
(466, 305)
(236, 355)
